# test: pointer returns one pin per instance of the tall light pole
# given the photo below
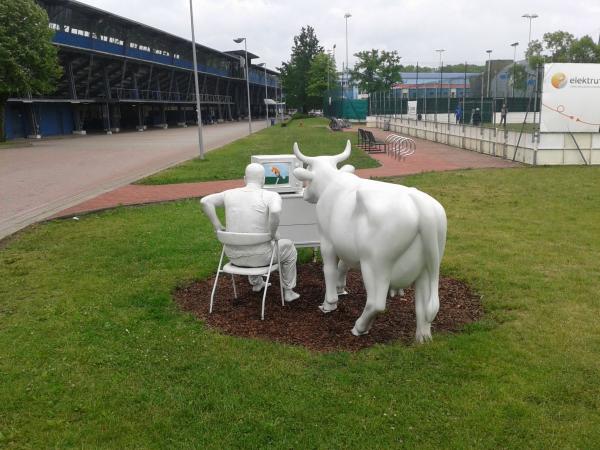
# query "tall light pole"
(239, 41)
(489, 52)
(530, 17)
(514, 45)
(440, 51)
(266, 91)
(199, 112)
(346, 16)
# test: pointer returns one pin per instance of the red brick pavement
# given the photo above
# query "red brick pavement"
(429, 156)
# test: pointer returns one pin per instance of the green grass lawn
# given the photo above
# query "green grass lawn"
(93, 352)
(228, 163)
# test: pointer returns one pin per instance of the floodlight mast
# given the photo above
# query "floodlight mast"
(198, 110)
(264, 65)
(514, 45)
(489, 52)
(239, 41)
(346, 16)
(530, 17)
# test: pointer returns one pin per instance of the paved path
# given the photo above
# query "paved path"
(430, 156)
(39, 181)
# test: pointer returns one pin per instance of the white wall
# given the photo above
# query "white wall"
(552, 148)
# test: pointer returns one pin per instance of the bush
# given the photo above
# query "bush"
(299, 115)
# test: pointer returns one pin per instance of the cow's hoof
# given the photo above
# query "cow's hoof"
(355, 332)
(327, 307)
(422, 338)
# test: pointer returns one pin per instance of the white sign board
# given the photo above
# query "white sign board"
(412, 107)
(571, 98)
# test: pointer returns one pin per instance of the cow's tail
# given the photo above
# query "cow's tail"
(434, 240)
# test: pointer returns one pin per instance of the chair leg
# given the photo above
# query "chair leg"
(262, 312)
(280, 277)
(234, 289)
(212, 295)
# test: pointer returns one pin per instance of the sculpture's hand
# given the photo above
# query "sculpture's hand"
(277, 236)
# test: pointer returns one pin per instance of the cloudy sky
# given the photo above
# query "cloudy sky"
(415, 28)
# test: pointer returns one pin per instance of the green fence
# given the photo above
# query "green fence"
(346, 109)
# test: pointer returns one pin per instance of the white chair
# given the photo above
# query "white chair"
(243, 239)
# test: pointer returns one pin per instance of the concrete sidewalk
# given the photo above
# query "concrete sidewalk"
(430, 156)
(39, 181)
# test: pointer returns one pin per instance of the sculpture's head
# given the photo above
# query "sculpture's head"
(255, 174)
(320, 171)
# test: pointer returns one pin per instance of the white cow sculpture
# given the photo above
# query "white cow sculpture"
(395, 234)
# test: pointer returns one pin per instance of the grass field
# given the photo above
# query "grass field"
(228, 163)
(93, 352)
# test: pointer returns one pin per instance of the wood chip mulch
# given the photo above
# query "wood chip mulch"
(302, 323)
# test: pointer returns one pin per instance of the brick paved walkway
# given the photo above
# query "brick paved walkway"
(429, 156)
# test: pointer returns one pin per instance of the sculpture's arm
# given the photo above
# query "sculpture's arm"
(274, 215)
(209, 205)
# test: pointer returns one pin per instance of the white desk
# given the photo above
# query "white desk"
(298, 221)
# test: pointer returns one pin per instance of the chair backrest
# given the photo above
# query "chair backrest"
(369, 136)
(231, 238)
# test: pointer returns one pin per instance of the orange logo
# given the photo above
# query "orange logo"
(559, 80)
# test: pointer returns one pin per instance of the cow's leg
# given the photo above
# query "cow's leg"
(377, 284)
(426, 304)
(330, 271)
(341, 280)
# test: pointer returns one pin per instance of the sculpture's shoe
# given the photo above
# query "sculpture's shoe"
(327, 307)
(342, 291)
(260, 287)
(290, 296)
(355, 332)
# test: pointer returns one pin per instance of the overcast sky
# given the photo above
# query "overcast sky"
(415, 28)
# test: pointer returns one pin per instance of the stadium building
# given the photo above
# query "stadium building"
(120, 74)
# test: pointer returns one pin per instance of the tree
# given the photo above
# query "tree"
(558, 44)
(534, 54)
(518, 77)
(321, 77)
(584, 50)
(376, 71)
(295, 72)
(28, 60)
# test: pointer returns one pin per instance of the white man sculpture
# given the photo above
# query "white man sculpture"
(395, 234)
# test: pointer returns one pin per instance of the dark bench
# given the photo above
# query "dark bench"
(368, 142)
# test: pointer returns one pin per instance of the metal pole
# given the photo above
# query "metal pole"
(248, 87)
(346, 16)
(199, 112)
(266, 96)
(489, 52)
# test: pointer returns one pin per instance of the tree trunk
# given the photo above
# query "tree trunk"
(2, 118)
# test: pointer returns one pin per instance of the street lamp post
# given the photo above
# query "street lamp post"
(530, 17)
(489, 52)
(199, 112)
(239, 41)
(514, 45)
(440, 51)
(266, 92)
(346, 16)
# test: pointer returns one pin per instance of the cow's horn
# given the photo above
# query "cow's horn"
(300, 156)
(345, 154)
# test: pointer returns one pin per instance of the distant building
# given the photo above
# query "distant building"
(432, 84)
(121, 74)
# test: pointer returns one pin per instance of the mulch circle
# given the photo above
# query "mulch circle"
(302, 323)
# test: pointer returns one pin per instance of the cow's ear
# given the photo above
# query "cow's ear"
(303, 174)
(349, 168)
